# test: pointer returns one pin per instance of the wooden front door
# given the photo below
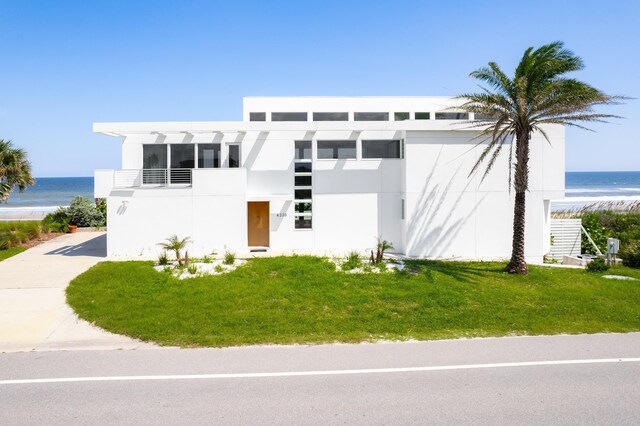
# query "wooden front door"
(258, 223)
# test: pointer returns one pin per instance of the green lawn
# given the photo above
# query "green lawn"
(303, 299)
(7, 253)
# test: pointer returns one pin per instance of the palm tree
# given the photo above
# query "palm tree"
(537, 95)
(15, 170)
(175, 244)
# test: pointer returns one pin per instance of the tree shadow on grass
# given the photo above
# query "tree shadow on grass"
(467, 272)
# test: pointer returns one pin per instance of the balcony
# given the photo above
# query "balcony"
(214, 181)
(137, 178)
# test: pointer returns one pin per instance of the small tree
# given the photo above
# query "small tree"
(381, 247)
(176, 245)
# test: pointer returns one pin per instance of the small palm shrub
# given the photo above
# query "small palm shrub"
(352, 261)
(163, 259)
(192, 269)
(229, 258)
(82, 212)
(218, 269)
(176, 245)
(597, 265)
(206, 259)
(630, 255)
(381, 247)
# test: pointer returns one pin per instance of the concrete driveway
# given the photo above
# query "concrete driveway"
(34, 315)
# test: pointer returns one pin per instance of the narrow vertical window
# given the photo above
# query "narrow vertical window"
(234, 156)
(302, 185)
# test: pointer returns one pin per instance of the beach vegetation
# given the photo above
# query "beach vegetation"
(514, 108)
(57, 221)
(82, 212)
(15, 170)
(630, 254)
(303, 299)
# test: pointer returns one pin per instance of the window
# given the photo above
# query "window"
(154, 163)
(302, 167)
(371, 116)
(182, 156)
(452, 116)
(302, 185)
(288, 116)
(483, 117)
(401, 116)
(423, 116)
(302, 181)
(234, 156)
(154, 156)
(330, 116)
(303, 222)
(336, 149)
(381, 149)
(303, 150)
(208, 156)
(303, 208)
(303, 194)
(257, 116)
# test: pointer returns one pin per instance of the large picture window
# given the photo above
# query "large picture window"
(209, 156)
(336, 149)
(182, 156)
(381, 149)
(154, 164)
(154, 156)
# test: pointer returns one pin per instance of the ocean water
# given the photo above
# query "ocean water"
(581, 187)
(51, 192)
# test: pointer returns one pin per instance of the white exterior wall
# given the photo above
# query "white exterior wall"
(447, 213)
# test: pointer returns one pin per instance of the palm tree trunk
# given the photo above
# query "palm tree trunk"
(517, 264)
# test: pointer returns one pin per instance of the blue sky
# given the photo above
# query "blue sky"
(66, 64)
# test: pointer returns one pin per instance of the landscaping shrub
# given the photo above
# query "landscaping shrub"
(229, 258)
(597, 265)
(163, 259)
(624, 225)
(13, 234)
(352, 261)
(193, 269)
(83, 213)
(101, 206)
(57, 221)
(630, 254)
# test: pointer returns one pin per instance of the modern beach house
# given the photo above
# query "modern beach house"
(324, 175)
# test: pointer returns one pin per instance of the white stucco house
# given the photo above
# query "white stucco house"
(323, 174)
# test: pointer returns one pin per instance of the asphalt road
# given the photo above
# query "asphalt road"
(531, 380)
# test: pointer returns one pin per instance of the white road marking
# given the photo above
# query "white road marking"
(315, 373)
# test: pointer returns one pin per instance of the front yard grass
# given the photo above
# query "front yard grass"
(302, 299)
(7, 253)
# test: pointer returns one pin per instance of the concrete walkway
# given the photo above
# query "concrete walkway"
(34, 315)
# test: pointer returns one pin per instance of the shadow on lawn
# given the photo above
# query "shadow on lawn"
(459, 271)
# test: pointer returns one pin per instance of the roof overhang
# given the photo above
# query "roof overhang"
(206, 127)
